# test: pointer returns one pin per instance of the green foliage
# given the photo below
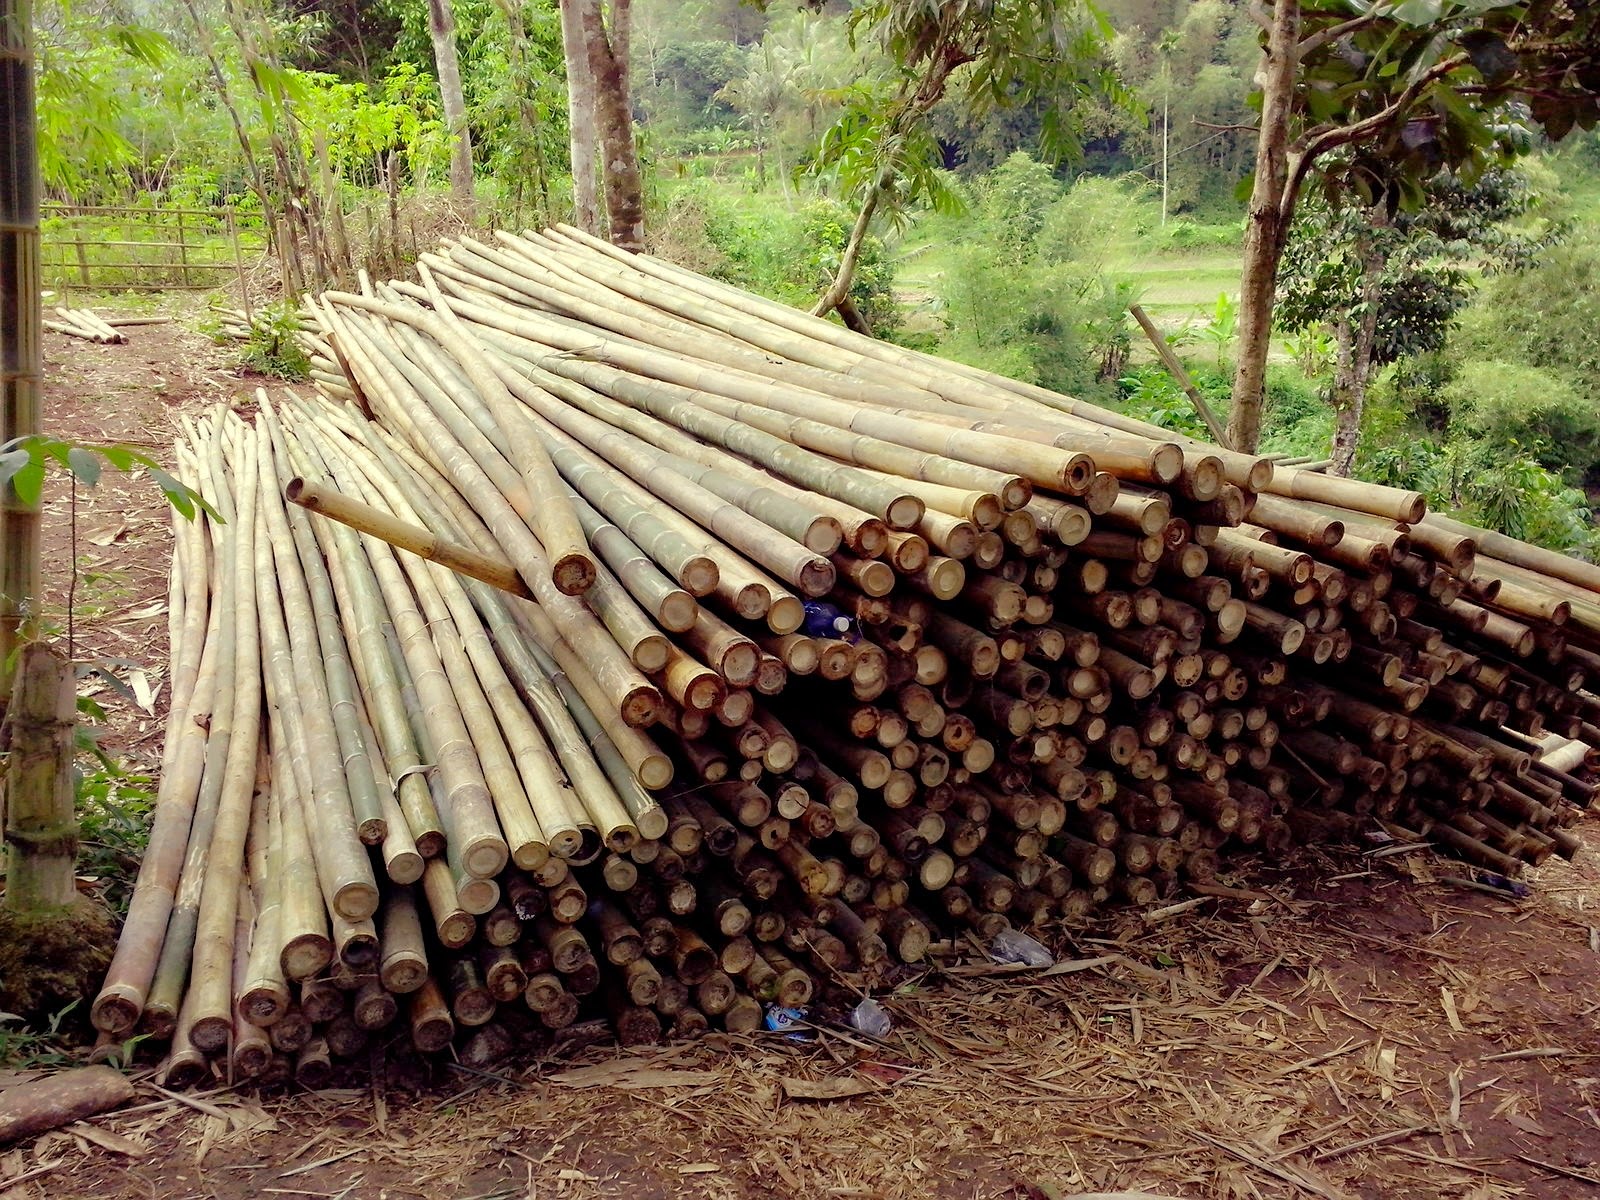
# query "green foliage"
(1222, 330)
(273, 347)
(824, 231)
(1032, 321)
(24, 461)
(26, 1048)
(1151, 394)
(1428, 260)
(1543, 316)
(114, 827)
(1016, 196)
(1526, 410)
(1098, 219)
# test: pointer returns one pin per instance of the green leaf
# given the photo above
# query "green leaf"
(84, 466)
(119, 457)
(28, 483)
(12, 461)
(1418, 12)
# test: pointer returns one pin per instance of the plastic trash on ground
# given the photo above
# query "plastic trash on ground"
(1014, 946)
(871, 1018)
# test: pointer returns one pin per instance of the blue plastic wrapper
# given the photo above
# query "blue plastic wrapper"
(824, 620)
(782, 1020)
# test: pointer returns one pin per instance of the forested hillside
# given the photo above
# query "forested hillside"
(1024, 209)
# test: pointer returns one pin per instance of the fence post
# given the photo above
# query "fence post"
(183, 249)
(238, 262)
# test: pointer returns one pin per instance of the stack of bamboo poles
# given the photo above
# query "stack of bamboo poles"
(634, 645)
(81, 323)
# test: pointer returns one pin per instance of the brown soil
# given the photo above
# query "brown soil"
(1360, 1028)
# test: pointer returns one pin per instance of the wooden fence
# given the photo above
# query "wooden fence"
(123, 248)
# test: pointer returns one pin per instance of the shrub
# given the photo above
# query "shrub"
(1517, 407)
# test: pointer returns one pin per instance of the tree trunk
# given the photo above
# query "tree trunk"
(839, 289)
(41, 828)
(20, 319)
(1354, 370)
(581, 121)
(608, 74)
(518, 34)
(1268, 227)
(442, 29)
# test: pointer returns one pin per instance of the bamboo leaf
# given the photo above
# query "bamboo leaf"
(28, 483)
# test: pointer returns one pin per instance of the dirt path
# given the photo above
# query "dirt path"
(1357, 1029)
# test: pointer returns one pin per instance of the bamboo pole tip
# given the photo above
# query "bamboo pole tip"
(306, 955)
(573, 573)
(1259, 475)
(903, 512)
(404, 866)
(117, 1009)
(677, 611)
(823, 536)
(210, 1033)
(786, 614)
(530, 856)
(699, 576)
(1412, 508)
(430, 844)
(650, 653)
(817, 577)
(653, 774)
(358, 899)
(1077, 473)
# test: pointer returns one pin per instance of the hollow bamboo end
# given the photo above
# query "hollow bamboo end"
(564, 843)
(870, 539)
(622, 838)
(986, 510)
(263, 1005)
(817, 577)
(677, 611)
(117, 1009)
(356, 900)
(946, 578)
(430, 844)
(962, 540)
(1204, 478)
(372, 831)
(1413, 508)
(653, 774)
(652, 823)
(753, 601)
(404, 867)
(785, 615)
(823, 536)
(1259, 475)
(1294, 635)
(530, 856)
(640, 706)
(456, 930)
(210, 1033)
(1077, 473)
(1015, 492)
(903, 512)
(477, 896)
(306, 955)
(739, 664)
(876, 579)
(573, 573)
(485, 856)
(650, 653)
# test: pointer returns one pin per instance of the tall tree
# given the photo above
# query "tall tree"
(1402, 89)
(605, 41)
(1390, 284)
(442, 29)
(582, 127)
(1008, 52)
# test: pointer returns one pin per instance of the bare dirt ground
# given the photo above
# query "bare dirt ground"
(1356, 1027)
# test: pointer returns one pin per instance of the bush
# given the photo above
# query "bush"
(1030, 322)
(1096, 217)
(1517, 407)
(1543, 316)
